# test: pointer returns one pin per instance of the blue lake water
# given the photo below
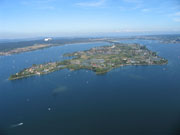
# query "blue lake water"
(130, 100)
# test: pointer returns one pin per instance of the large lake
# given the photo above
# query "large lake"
(131, 100)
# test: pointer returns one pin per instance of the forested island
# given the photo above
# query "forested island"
(99, 59)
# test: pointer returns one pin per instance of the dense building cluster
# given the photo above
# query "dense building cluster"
(99, 59)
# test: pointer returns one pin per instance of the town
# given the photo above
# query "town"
(99, 59)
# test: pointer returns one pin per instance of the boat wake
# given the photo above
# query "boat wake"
(16, 125)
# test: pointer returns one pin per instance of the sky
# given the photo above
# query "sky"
(31, 18)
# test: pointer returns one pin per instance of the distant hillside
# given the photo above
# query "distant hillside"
(7, 46)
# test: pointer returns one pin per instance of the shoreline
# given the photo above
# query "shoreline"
(97, 73)
(41, 46)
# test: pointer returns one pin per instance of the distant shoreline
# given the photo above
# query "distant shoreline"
(40, 46)
(27, 46)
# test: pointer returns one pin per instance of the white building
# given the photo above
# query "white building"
(47, 39)
(113, 46)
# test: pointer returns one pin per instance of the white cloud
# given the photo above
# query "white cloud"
(176, 19)
(46, 7)
(133, 1)
(34, 2)
(137, 4)
(92, 4)
(44, 1)
(177, 14)
(145, 10)
(40, 4)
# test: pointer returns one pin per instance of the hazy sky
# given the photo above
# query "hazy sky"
(74, 17)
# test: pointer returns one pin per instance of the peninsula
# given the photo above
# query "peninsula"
(11, 48)
(99, 59)
(24, 49)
